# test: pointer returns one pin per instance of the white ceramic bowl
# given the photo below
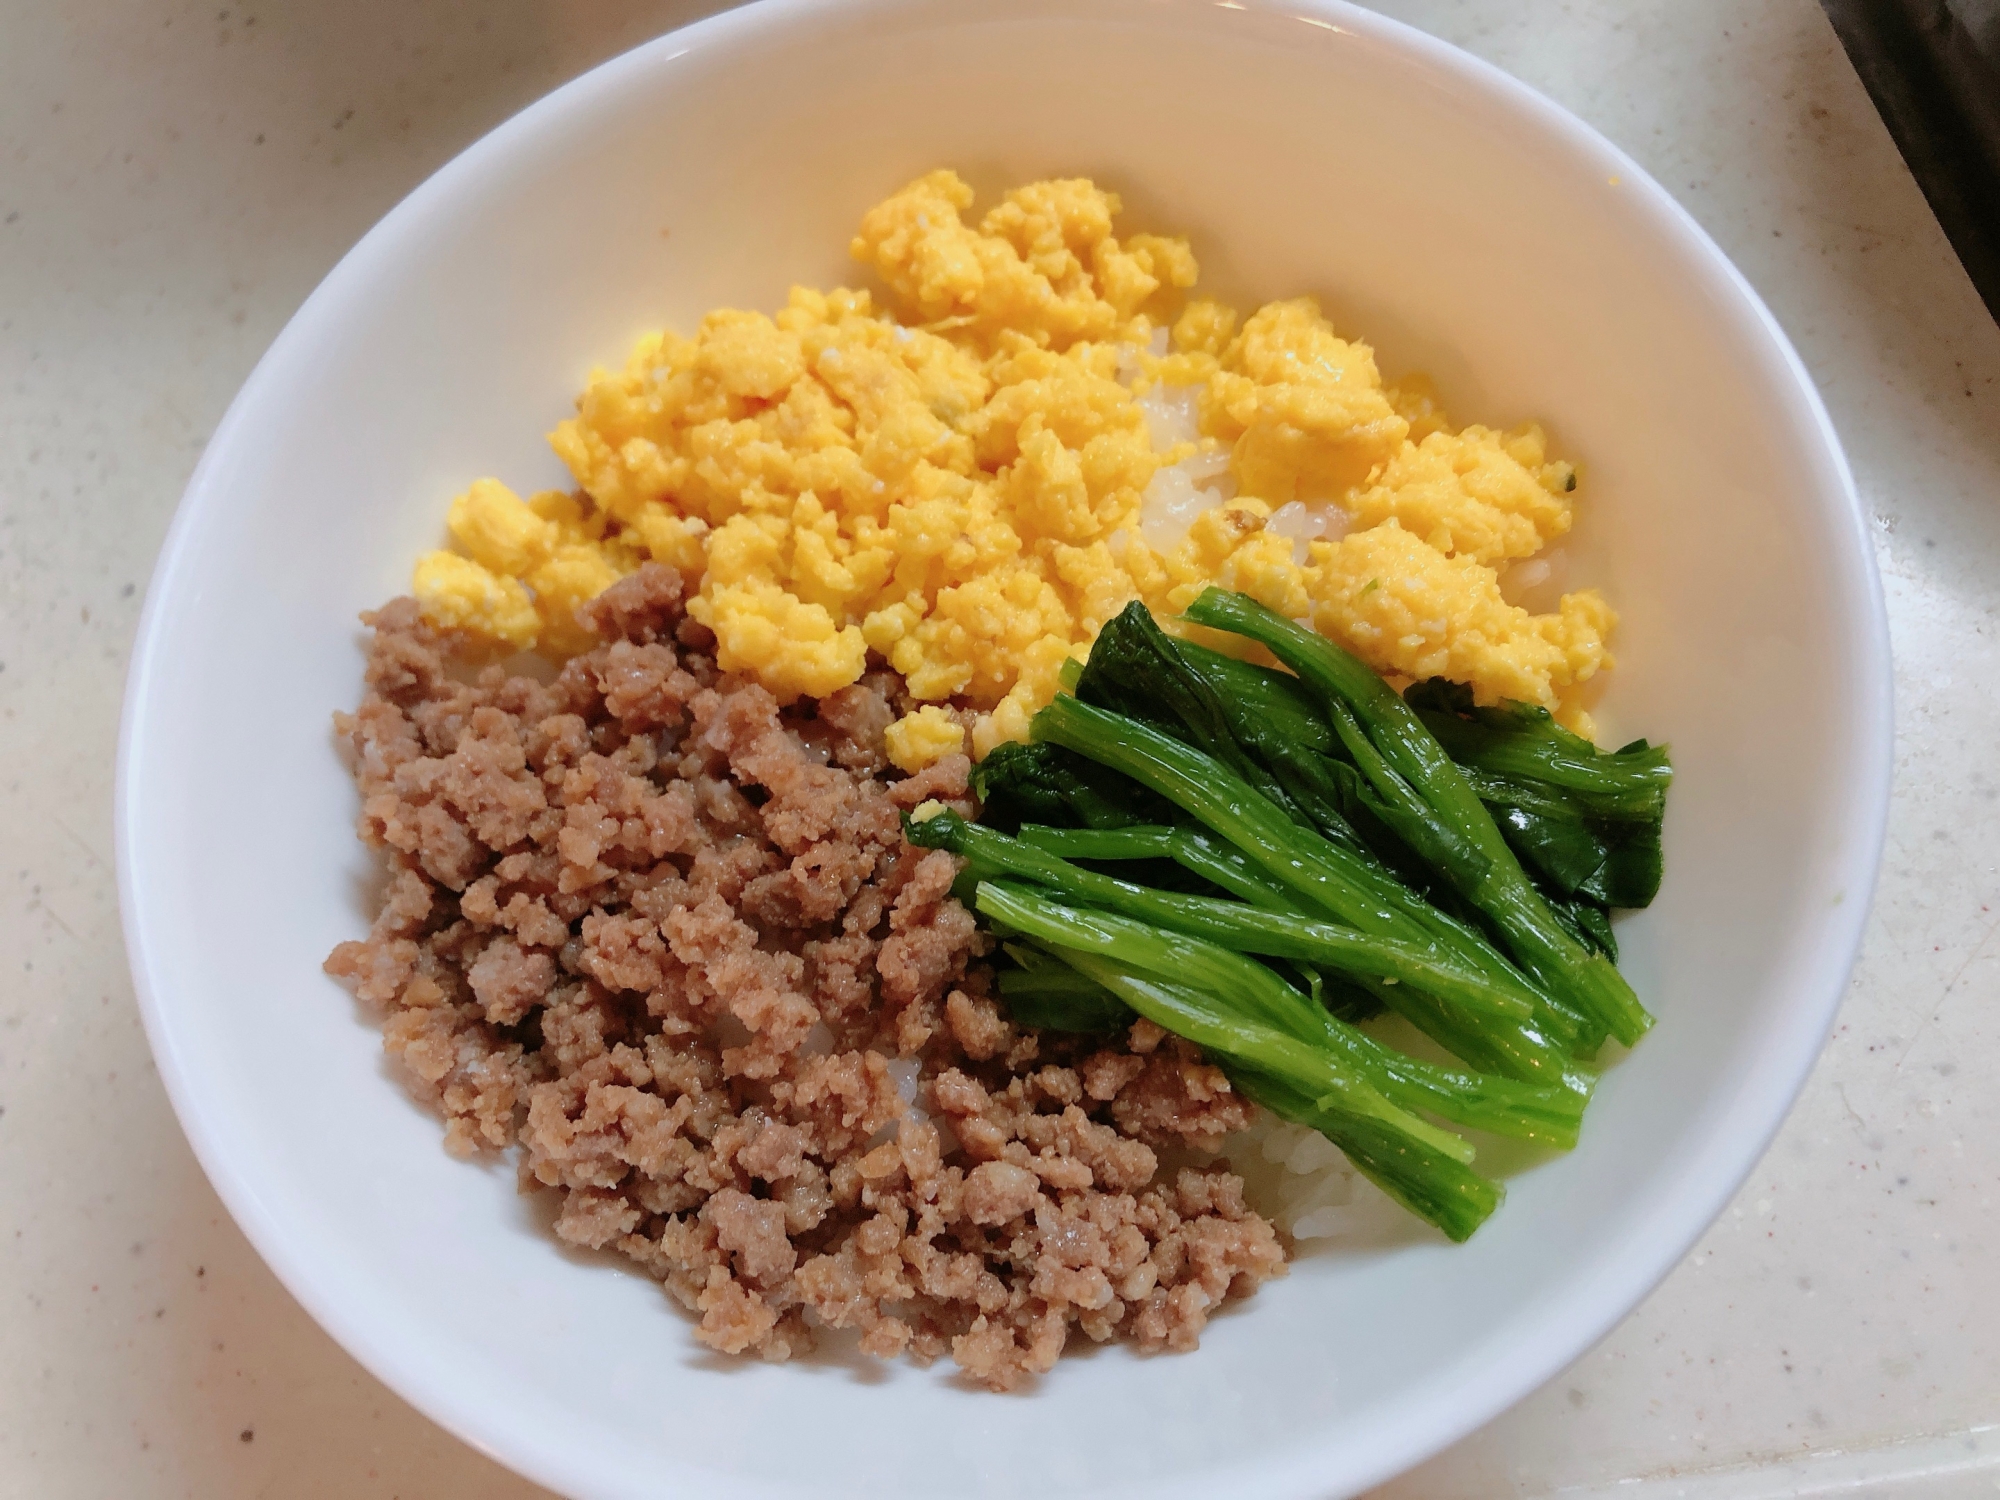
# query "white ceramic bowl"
(1461, 223)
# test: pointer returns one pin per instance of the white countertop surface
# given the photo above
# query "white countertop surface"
(175, 178)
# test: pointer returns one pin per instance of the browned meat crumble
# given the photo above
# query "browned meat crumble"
(667, 937)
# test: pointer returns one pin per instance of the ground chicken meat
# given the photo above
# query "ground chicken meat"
(662, 934)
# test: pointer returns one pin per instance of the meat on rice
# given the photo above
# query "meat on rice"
(666, 936)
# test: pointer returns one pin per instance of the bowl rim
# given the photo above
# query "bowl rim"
(1457, 1399)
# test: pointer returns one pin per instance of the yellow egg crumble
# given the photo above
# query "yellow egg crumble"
(1036, 426)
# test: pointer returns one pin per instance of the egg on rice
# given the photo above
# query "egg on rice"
(1036, 424)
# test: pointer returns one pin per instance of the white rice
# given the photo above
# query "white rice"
(1300, 1180)
(1536, 584)
(1173, 415)
(1129, 355)
(906, 1071)
(1180, 492)
(1171, 504)
(1306, 523)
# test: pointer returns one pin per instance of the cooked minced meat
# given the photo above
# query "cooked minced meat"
(667, 936)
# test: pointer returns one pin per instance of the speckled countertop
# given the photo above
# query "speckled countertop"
(175, 178)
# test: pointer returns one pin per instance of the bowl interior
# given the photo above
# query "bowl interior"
(1456, 221)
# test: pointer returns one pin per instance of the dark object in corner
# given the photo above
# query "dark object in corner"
(1933, 69)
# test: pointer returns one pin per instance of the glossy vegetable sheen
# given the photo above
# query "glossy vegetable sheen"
(1295, 850)
(1434, 808)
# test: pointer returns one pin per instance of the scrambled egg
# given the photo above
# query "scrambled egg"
(1041, 426)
